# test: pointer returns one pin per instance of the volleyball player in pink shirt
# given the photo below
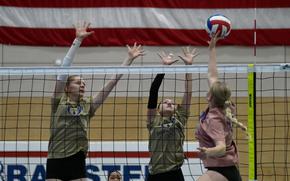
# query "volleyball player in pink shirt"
(215, 131)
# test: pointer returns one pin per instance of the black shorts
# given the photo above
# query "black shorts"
(231, 173)
(72, 167)
(175, 175)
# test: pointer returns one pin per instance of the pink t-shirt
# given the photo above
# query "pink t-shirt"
(215, 126)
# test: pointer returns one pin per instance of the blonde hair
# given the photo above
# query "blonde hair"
(220, 93)
(68, 81)
(232, 118)
(221, 98)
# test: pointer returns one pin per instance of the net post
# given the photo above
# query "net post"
(252, 124)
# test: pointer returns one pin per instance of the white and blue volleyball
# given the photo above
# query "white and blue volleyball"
(218, 23)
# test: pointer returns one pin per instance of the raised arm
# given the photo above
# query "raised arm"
(153, 94)
(212, 68)
(98, 99)
(153, 97)
(188, 57)
(81, 34)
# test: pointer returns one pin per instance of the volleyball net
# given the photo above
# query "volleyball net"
(118, 134)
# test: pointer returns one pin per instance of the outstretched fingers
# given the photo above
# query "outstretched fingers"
(135, 51)
(167, 59)
(161, 54)
(189, 55)
(82, 29)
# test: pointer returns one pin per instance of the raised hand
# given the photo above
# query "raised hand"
(166, 59)
(214, 40)
(135, 51)
(81, 30)
(189, 55)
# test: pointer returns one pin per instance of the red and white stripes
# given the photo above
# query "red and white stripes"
(148, 22)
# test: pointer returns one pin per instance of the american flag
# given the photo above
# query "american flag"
(148, 22)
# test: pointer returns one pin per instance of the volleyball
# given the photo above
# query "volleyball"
(58, 62)
(218, 23)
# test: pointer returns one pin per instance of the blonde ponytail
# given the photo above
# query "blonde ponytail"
(233, 119)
